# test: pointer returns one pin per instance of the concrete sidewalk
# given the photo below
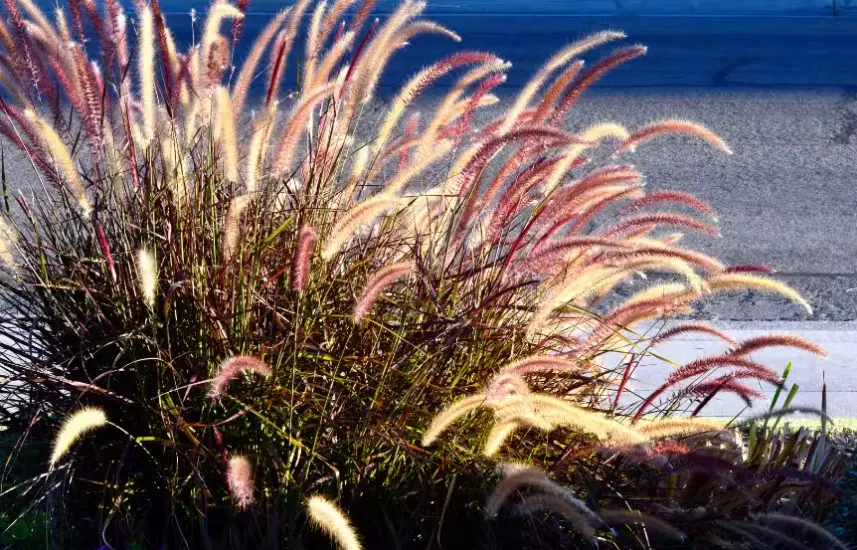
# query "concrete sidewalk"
(840, 368)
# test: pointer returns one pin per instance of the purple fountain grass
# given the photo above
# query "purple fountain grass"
(691, 327)
(647, 221)
(677, 197)
(516, 237)
(590, 76)
(702, 366)
(230, 369)
(376, 285)
(302, 258)
(673, 126)
(747, 347)
(239, 478)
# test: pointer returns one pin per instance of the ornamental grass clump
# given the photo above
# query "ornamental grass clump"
(277, 292)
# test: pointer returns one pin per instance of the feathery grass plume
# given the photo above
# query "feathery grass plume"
(226, 126)
(74, 426)
(702, 366)
(258, 146)
(147, 272)
(333, 16)
(577, 284)
(728, 383)
(146, 46)
(452, 97)
(313, 45)
(383, 278)
(332, 59)
(62, 26)
(513, 480)
(674, 126)
(296, 125)
(561, 507)
(422, 80)
(599, 132)
(745, 281)
(763, 269)
(63, 159)
(375, 59)
(38, 16)
(516, 476)
(218, 12)
(777, 340)
(327, 517)
(588, 78)
(498, 435)
(283, 47)
(401, 180)
(553, 92)
(654, 246)
(661, 448)
(647, 221)
(679, 197)
(561, 413)
(559, 60)
(428, 27)
(239, 479)
(231, 225)
(614, 517)
(248, 67)
(231, 368)
(354, 218)
(8, 241)
(671, 427)
(362, 14)
(597, 279)
(303, 255)
(665, 259)
(450, 414)
(538, 364)
(784, 520)
(666, 293)
(685, 328)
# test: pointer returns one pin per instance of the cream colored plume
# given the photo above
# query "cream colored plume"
(147, 271)
(226, 129)
(559, 60)
(64, 162)
(8, 241)
(358, 216)
(147, 72)
(219, 12)
(75, 426)
(327, 517)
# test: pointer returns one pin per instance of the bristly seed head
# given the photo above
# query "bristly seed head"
(239, 479)
(147, 271)
(75, 426)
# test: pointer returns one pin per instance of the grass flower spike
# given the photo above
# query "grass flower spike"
(239, 477)
(76, 425)
(231, 368)
(327, 517)
(147, 271)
